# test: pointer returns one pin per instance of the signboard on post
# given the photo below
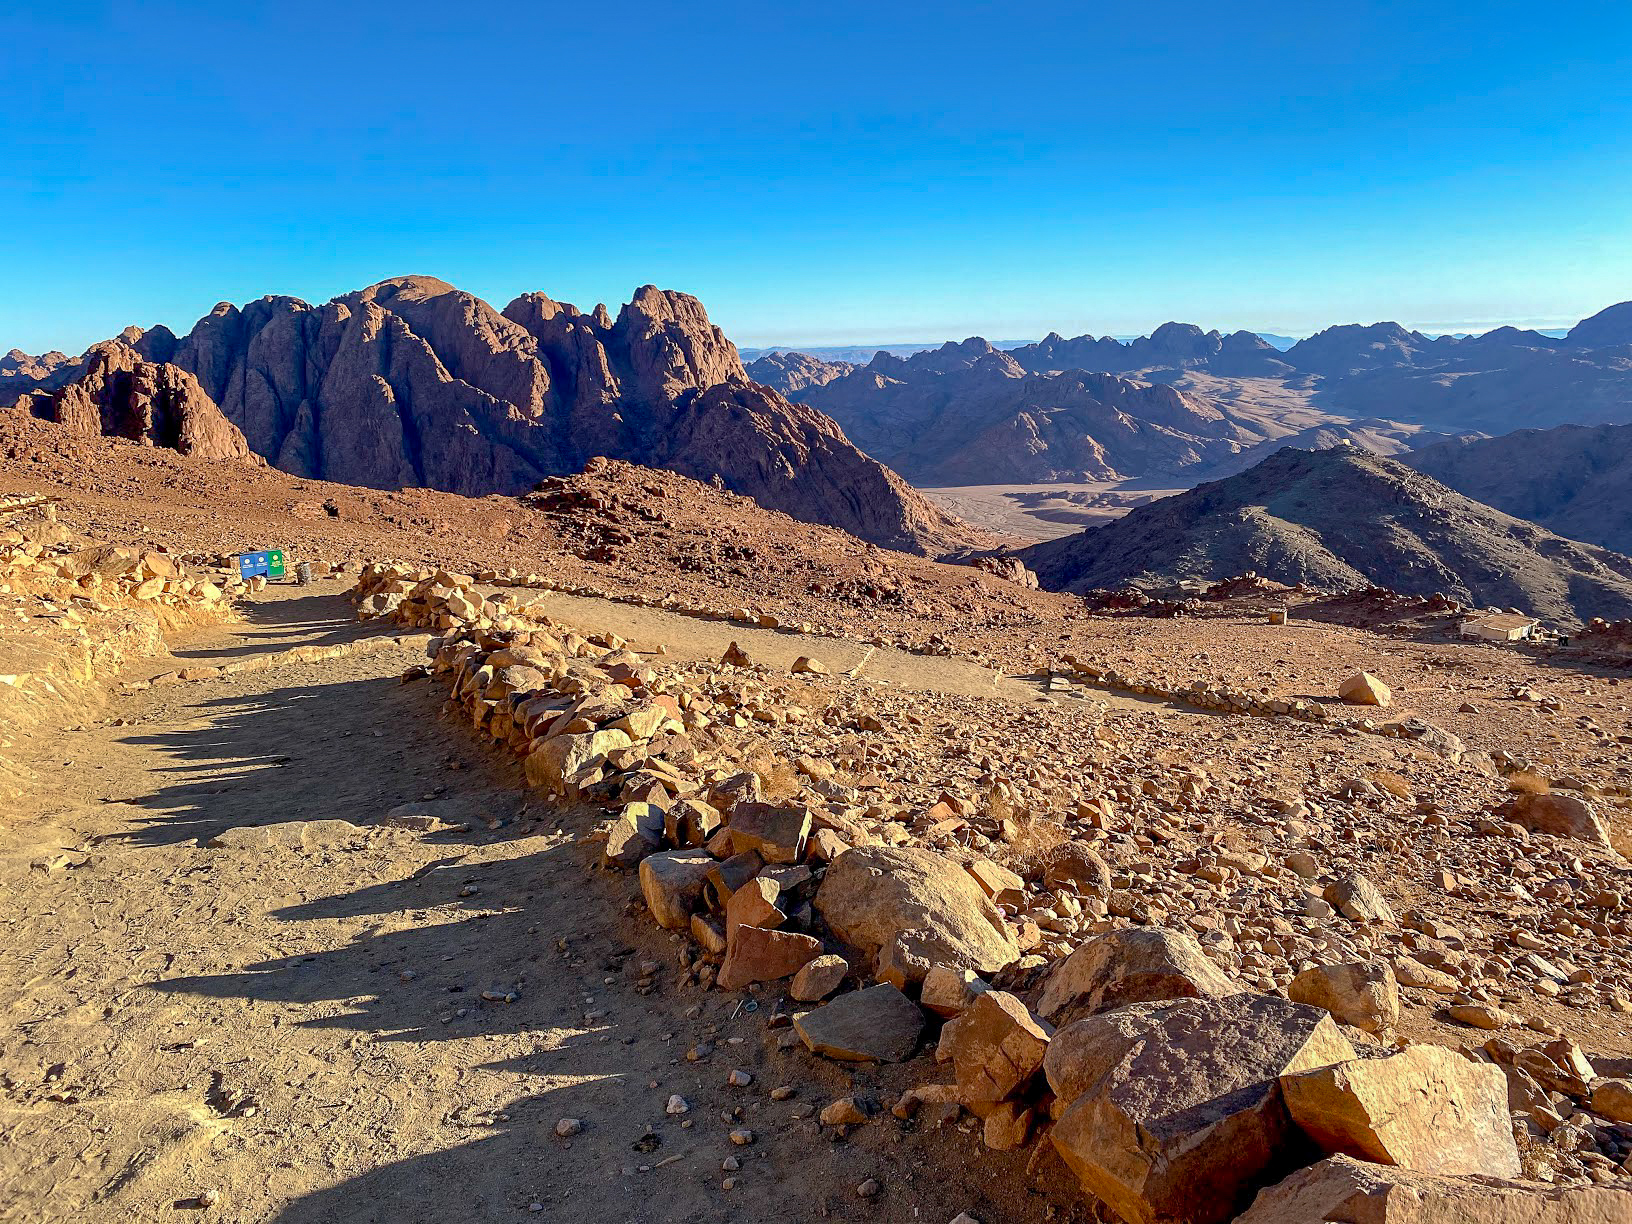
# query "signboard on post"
(267, 564)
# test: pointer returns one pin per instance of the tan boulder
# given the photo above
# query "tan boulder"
(672, 884)
(913, 909)
(1357, 899)
(756, 954)
(996, 1047)
(1179, 1116)
(1137, 965)
(754, 904)
(558, 759)
(1612, 1099)
(948, 992)
(1363, 688)
(1365, 994)
(1348, 1191)
(633, 834)
(1425, 1108)
(806, 666)
(1559, 815)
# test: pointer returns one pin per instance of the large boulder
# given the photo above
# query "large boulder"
(1137, 965)
(1425, 1108)
(672, 884)
(1348, 1191)
(913, 909)
(1559, 815)
(1180, 1117)
(1365, 994)
(758, 954)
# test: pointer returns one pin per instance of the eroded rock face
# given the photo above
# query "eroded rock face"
(913, 909)
(412, 382)
(1179, 1115)
(119, 395)
(1357, 1192)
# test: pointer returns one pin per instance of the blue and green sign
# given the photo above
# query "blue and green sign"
(267, 564)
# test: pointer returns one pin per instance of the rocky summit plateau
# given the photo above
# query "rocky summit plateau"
(632, 800)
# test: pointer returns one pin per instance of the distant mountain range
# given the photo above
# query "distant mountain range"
(972, 412)
(1337, 520)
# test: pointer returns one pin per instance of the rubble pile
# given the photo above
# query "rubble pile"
(1191, 1021)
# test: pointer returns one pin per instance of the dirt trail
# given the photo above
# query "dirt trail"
(304, 1031)
(689, 638)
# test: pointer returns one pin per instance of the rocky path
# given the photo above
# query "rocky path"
(689, 638)
(325, 1023)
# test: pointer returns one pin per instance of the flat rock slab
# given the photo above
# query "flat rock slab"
(879, 1024)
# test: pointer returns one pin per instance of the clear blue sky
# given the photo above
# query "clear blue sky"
(823, 173)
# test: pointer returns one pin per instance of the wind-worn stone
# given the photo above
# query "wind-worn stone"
(818, 979)
(672, 884)
(1342, 1189)
(555, 760)
(755, 954)
(879, 1024)
(996, 1047)
(1137, 965)
(1425, 1108)
(1559, 815)
(914, 908)
(1362, 993)
(1363, 688)
(1185, 1120)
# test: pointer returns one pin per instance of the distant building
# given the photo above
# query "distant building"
(1500, 627)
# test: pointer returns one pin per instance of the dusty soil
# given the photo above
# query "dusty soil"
(303, 1030)
(1044, 511)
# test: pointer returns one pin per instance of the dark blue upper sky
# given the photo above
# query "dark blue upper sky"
(824, 173)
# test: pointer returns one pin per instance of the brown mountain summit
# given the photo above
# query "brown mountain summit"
(1342, 519)
(412, 382)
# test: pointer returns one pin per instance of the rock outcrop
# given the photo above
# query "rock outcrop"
(412, 382)
(120, 395)
(791, 373)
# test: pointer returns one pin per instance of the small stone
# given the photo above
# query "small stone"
(739, 1078)
(869, 1188)
(566, 1128)
(208, 1198)
(742, 1136)
(677, 1105)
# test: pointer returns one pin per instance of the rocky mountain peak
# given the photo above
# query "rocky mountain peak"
(120, 395)
(1611, 326)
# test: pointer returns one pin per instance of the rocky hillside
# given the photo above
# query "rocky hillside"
(971, 414)
(412, 382)
(1574, 480)
(119, 395)
(790, 373)
(1341, 519)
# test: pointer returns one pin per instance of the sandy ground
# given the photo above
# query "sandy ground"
(1045, 511)
(303, 1030)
